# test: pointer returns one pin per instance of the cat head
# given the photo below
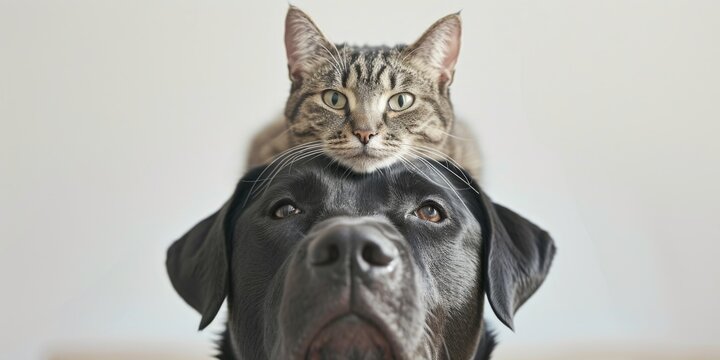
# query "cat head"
(370, 106)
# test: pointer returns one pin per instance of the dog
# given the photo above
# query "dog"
(317, 262)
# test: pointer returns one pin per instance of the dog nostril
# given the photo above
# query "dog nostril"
(374, 255)
(327, 255)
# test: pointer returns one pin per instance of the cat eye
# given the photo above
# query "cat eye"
(430, 212)
(334, 99)
(401, 101)
(285, 210)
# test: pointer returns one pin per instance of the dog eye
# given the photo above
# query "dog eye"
(429, 213)
(285, 210)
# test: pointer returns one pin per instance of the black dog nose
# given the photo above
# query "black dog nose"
(375, 255)
(360, 244)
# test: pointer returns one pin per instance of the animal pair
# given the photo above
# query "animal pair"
(318, 262)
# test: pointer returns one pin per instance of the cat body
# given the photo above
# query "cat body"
(369, 107)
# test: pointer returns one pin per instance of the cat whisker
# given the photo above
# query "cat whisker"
(280, 158)
(332, 161)
(442, 155)
(463, 179)
(381, 172)
(429, 334)
(301, 156)
(282, 154)
(440, 130)
(434, 168)
(274, 173)
(289, 160)
(426, 124)
(285, 160)
(444, 179)
(309, 154)
(347, 172)
(447, 351)
(416, 170)
(316, 156)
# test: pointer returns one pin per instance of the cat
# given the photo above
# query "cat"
(368, 107)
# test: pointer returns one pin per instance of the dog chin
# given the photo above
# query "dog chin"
(350, 337)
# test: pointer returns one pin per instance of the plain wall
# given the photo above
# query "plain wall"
(123, 123)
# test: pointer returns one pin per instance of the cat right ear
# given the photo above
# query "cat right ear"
(438, 48)
(305, 45)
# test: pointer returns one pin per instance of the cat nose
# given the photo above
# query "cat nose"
(364, 135)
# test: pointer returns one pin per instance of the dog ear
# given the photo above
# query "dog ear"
(198, 263)
(517, 257)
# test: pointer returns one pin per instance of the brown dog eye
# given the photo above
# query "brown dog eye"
(284, 211)
(429, 213)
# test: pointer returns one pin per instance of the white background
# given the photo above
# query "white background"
(123, 123)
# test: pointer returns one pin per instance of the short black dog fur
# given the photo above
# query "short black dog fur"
(319, 263)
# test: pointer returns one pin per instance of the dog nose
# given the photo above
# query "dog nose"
(364, 135)
(358, 245)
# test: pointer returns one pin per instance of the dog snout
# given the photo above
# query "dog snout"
(349, 267)
(358, 246)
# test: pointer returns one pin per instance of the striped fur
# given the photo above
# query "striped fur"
(368, 76)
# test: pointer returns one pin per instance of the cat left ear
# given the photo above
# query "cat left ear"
(438, 48)
(305, 45)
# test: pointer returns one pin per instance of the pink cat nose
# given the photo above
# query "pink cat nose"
(364, 135)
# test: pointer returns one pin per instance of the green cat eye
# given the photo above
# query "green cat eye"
(401, 101)
(334, 99)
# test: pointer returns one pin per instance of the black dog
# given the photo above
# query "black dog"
(320, 263)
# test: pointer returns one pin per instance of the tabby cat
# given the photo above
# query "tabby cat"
(368, 107)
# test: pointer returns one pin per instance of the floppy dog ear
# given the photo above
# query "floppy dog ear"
(198, 263)
(517, 257)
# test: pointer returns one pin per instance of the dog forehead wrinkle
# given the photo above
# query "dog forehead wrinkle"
(356, 194)
(298, 185)
(340, 196)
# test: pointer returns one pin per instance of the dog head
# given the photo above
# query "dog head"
(317, 262)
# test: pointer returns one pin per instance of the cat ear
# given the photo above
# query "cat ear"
(303, 43)
(438, 48)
